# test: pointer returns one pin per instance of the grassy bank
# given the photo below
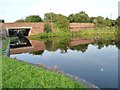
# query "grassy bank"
(18, 74)
(95, 31)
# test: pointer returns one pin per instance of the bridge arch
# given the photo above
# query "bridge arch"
(14, 31)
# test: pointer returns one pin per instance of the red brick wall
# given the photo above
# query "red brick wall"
(39, 27)
(35, 27)
(78, 41)
(36, 46)
(81, 26)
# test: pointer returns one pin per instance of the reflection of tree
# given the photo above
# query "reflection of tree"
(104, 42)
(48, 44)
(37, 52)
(118, 40)
(118, 33)
(63, 45)
(82, 47)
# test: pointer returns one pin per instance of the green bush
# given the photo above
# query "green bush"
(33, 18)
(47, 28)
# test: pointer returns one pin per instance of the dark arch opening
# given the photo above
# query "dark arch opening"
(18, 32)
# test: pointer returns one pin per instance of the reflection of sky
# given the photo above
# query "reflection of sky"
(99, 66)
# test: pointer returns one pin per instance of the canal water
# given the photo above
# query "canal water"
(93, 59)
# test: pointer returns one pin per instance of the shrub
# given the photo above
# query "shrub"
(47, 28)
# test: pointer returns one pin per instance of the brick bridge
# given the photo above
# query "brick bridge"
(35, 28)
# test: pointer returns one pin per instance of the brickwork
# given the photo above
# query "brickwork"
(81, 26)
(36, 28)
(35, 46)
(40, 45)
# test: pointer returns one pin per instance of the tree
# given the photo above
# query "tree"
(80, 17)
(50, 17)
(33, 18)
(92, 19)
(118, 22)
(60, 21)
(37, 52)
(108, 22)
(2, 21)
(99, 21)
(47, 28)
(71, 18)
(19, 20)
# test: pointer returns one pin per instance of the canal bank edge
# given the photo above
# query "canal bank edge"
(75, 78)
(7, 51)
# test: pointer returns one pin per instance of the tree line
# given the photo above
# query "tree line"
(62, 22)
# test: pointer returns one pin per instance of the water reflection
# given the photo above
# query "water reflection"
(24, 45)
(94, 60)
(20, 42)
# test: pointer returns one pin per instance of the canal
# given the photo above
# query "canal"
(95, 60)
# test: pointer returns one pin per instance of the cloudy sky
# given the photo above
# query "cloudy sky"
(12, 10)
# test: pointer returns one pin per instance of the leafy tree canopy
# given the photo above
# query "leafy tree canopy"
(80, 17)
(20, 20)
(33, 18)
(61, 22)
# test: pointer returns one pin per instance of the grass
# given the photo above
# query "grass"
(95, 31)
(106, 30)
(18, 74)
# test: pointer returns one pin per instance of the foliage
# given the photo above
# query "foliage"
(50, 17)
(82, 47)
(64, 43)
(18, 74)
(2, 21)
(33, 18)
(99, 21)
(47, 28)
(37, 52)
(80, 17)
(48, 44)
(20, 20)
(60, 21)
(118, 21)
(96, 31)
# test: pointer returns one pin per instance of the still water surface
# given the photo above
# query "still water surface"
(93, 60)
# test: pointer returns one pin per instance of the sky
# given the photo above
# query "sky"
(12, 10)
(119, 8)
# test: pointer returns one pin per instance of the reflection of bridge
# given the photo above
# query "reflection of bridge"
(78, 41)
(40, 45)
(35, 46)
